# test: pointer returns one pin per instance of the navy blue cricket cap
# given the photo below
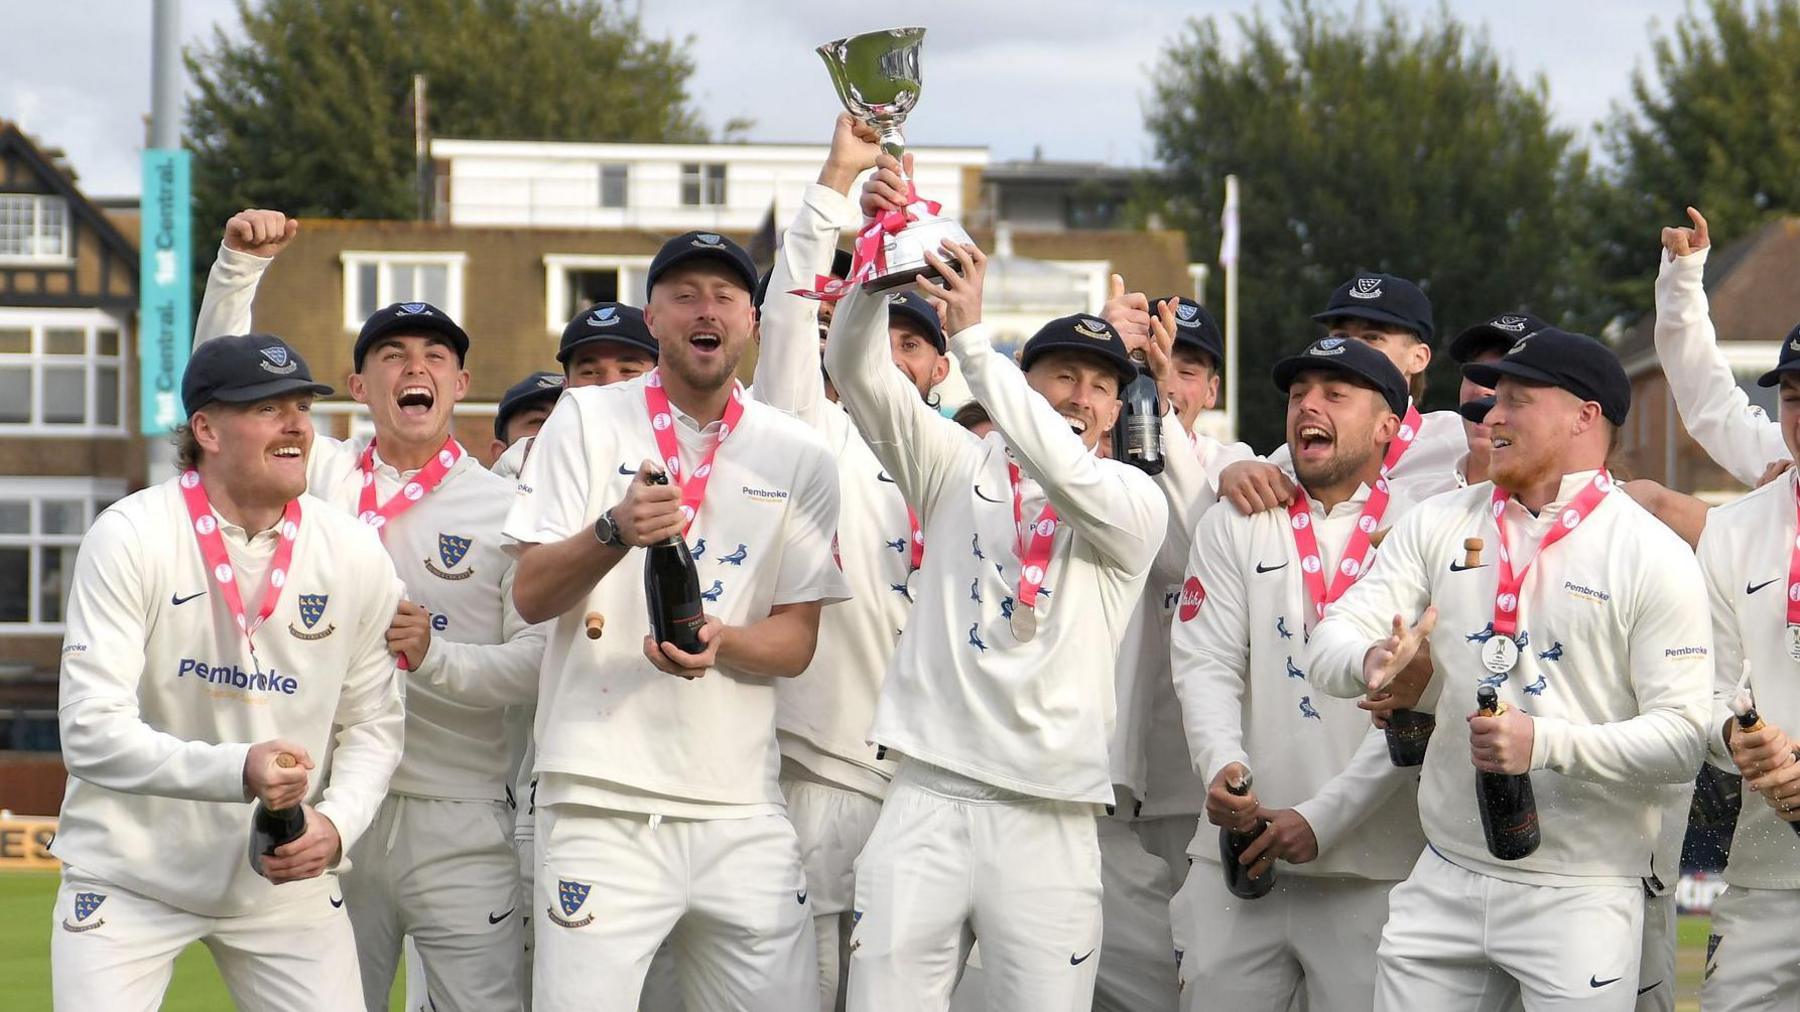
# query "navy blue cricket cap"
(916, 308)
(1788, 362)
(607, 321)
(1083, 333)
(1476, 410)
(1497, 333)
(539, 388)
(841, 262)
(1195, 327)
(245, 368)
(1349, 357)
(1382, 298)
(691, 246)
(1573, 362)
(410, 319)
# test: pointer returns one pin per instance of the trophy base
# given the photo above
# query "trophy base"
(905, 252)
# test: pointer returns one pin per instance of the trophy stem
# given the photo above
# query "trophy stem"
(893, 144)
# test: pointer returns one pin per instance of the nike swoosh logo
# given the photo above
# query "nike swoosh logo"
(1457, 567)
(496, 919)
(883, 476)
(627, 471)
(801, 897)
(1269, 569)
(179, 601)
(1652, 987)
(1592, 982)
(1075, 961)
(1748, 589)
(337, 901)
(983, 495)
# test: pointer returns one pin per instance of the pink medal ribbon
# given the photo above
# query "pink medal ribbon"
(1351, 568)
(1793, 590)
(1501, 652)
(1034, 559)
(218, 562)
(422, 484)
(1403, 440)
(662, 425)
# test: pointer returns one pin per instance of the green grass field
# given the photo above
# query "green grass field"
(26, 900)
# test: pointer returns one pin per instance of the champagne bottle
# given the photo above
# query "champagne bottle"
(1509, 816)
(672, 590)
(1137, 435)
(1408, 733)
(1233, 843)
(274, 827)
(1749, 720)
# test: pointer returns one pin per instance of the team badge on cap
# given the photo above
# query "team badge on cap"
(570, 895)
(1186, 314)
(1510, 324)
(451, 550)
(605, 316)
(312, 609)
(414, 309)
(1327, 346)
(276, 360)
(707, 239)
(1087, 326)
(1366, 288)
(85, 905)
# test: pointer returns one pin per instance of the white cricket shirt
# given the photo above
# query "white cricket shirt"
(1615, 669)
(160, 699)
(823, 717)
(612, 731)
(962, 693)
(1239, 651)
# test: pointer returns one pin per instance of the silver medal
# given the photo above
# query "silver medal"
(1024, 623)
(1794, 642)
(1499, 654)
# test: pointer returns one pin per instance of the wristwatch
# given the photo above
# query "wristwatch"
(607, 532)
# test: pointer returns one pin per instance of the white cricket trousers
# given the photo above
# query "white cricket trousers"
(112, 950)
(1457, 939)
(833, 825)
(1752, 962)
(1310, 943)
(446, 874)
(1137, 960)
(728, 893)
(947, 864)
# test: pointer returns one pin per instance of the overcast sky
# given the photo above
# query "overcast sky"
(1070, 77)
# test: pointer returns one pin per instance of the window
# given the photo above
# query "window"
(573, 282)
(60, 370)
(34, 228)
(374, 280)
(702, 184)
(41, 523)
(614, 189)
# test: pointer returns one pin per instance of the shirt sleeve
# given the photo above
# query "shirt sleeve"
(1397, 583)
(1116, 507)
(552, 501)
(788, 361)
(1715, 410)
(105, 740)
(1729, 661)
(918, 447)
(490, 674)
(370, 718)
(230, 291)
(810, 570)
(1354, 794)
(1670, 666)
(1209, 649)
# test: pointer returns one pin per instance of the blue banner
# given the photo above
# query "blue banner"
(165, 285)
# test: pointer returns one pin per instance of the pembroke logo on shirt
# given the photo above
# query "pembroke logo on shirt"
(312, 609)
(451, 550)
(570, 895)
(85, 905)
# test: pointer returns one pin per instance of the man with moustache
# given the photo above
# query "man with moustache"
(659, 814)
(1339, 816)
(832, 777)
(219, 622)
(439, 863)
(999, 700)
(1583, 613)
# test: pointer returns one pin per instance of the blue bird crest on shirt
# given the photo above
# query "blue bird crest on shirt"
(1553, 654)
(699, 548)
(1281, 627)
(571, 895)
(898, 545)
(712, 593)
(1006, 607)
(1537, 688)
(902, 589)
(312, 608)
(736, 558)
(1493, 681)
(1306, 709)
(1293, 672)
(975, 545)
(975, 590)
(87, 903)
(1483, 636)
(452, 548)
(975, 640)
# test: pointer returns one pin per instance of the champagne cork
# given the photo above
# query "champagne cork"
(1378, 537)
(286, 760)
(1471, 552)
(595, 624)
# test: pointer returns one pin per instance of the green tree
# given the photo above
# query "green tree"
(308, 107)
(1364, 143)
(1714, 123)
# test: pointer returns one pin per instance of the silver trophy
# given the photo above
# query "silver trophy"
(877, 78)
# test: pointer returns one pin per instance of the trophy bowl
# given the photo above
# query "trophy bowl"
(878, 79)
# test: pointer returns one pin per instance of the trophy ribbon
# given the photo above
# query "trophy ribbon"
(870, 253)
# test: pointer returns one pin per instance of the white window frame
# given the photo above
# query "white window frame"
(557, 266)
(93, 492)
(38, 201)
(705, 175)
(385, 261)
(91, 321)
(600, 170)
